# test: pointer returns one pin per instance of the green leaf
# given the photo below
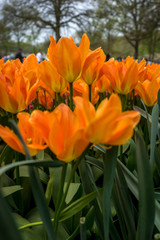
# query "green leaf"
(88, 188)
(73, 188)
(131, 162)
(125, 203)
(132, 183)
(154, 131)
(37, 189)
(6, 191)
(8, 228)
(77, 206)
(29, 233)
(89, 223)
(109, 169)
(30, 163)
(6, 154)
(146, 193)
(95, 162)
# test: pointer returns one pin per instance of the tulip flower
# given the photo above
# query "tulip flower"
(61, 131)
(33, 140)
(69, 59)
(148, 91)
(45, 99)
(122, 75)
(80, 88)
(92, 72)
(108, 124)
(49, 75)
(18, 85)
(103, 84)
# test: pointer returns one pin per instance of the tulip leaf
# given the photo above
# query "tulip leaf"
(37, 189)
(132, 183)
(125, 203)
(30, 163)
(6, 191)
(6, 154)
(89, 223)
(131, 162)
(88, 188)
(146, 192)
(95, 162)
(154, 131)
(8, 228)
(109, 169)
(73, 188)
(77, 206)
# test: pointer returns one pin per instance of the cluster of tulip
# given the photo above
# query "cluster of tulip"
(80, 75)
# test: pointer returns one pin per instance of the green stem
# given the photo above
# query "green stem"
(59, 98)
(61, 186)
(58, 212)
(32, 225)
(71, 95)
(123, 100)
(90, 92)
(45, 99)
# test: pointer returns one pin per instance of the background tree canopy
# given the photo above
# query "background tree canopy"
(128, 27)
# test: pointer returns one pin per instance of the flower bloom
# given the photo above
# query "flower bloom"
(103, 84)
(122, 75)
(80, 88)
(92, 72)
(68, 58)
(45, 99)
(148, 91)
(18, 84)
(33, 140)
(49, 75)
(108, 124)
(62, 132)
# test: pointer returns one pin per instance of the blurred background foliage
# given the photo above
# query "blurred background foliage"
(121, 28)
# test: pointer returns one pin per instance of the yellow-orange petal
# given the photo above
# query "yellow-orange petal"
(11, 139)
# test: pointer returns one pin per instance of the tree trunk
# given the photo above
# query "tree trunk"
(136, 48)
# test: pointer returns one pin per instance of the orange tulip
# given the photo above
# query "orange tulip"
(80, 88)
(107, 125)
(49, 75)
(92, 72)
(33, 140)
(61, 131)
(122, 75)
(68, 58)
(45, 99)
(148, 91)
(103, 84)
(18, 85)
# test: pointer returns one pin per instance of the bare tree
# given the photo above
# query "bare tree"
(135, 19)
(48, 14)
